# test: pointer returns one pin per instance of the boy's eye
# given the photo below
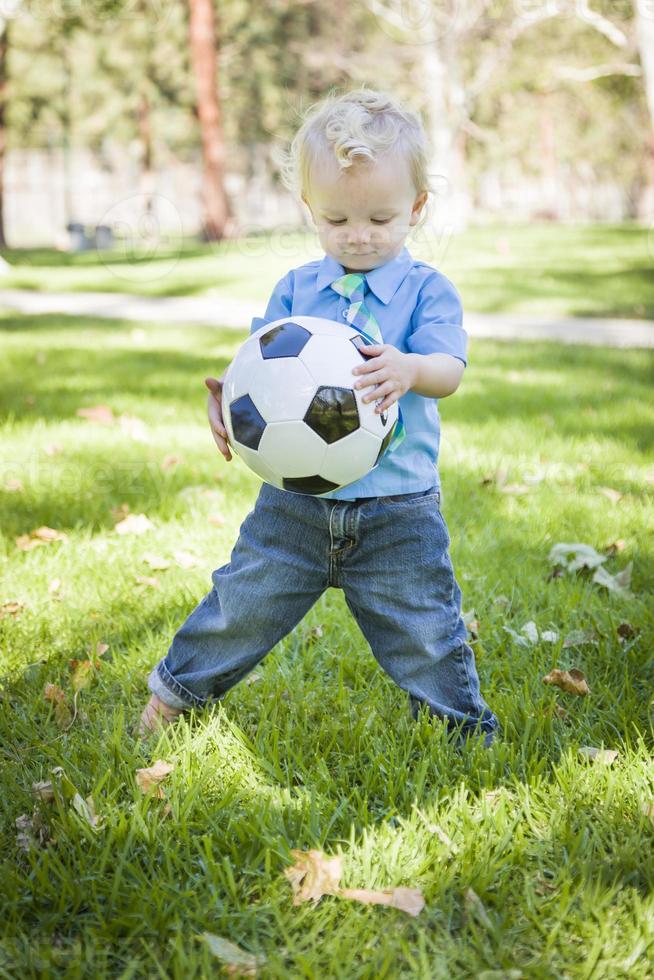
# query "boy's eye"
(341, 221)
(333, 221)
(380, 221)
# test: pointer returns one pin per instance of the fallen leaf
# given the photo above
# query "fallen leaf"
(14, 486)
(472, 623)
(150, 778)
(54, 694)
(515, 488)
(560, 712)
(11, 608)
(185, 559)
(626, 631)
(169, 461)
(53, 449)
(616, 583)
(575, 556)
(216, 520)
(613, 495)
(135, 428)
(408, 900)
(473, 904)
(313, 875)
(502, 601)
(100, 414)
(573, 681)
(579, 637)
(314, 633)
(83, 671)
(252, 679)
(118, 513)
(149, 580)
(603, 757)
(86, 810)
(156, 563)
(238, 959)
(43, 790)
(134, 524)
(647, 809)
(42, 535)
(615, 547)
(31, 832)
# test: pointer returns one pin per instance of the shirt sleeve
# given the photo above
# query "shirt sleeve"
(436, 323)
(279, 304)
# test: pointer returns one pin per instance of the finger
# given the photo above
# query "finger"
(214, 386)
(222, 446)
(371, 379)
(382, 388)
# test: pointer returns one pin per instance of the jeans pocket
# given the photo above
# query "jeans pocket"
(401, 497)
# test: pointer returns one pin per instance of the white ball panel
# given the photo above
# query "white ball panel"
(256, 462)
(292, 448)
(281, 388)
(330, 360)
(237, 380)
(349, 457)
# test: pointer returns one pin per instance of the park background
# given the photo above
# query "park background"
(143, 223)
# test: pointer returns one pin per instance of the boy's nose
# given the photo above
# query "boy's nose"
(359, 236)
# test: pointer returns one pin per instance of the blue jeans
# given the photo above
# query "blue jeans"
(390, 557)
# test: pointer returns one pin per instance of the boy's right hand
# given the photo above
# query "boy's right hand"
(215, 413)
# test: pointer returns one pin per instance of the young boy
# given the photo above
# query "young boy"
(359, 163)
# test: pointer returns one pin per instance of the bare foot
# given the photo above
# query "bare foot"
(157, 714)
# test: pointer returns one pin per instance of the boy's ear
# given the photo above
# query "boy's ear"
(418, 205)
(309, 206)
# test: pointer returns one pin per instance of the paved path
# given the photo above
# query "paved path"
(237, 313)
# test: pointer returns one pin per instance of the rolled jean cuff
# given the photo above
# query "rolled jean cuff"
(163, 684)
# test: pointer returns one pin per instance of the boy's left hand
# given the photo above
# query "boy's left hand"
(388, 368)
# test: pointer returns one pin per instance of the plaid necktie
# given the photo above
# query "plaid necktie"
(354, 286)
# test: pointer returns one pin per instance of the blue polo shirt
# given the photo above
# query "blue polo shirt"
(418, 311)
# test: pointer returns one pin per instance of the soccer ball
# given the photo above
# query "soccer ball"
(292, 413)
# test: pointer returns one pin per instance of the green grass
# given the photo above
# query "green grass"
(581, 270)
(321, 752)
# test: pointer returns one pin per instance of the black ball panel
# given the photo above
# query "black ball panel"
(247, 422)
(333, 413)
(285, 340)
(309, 484)
(385, 442)
(361, 343)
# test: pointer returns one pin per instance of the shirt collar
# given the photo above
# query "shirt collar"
(384, 281)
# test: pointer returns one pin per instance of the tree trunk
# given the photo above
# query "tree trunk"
(204, 58)
(645, 34)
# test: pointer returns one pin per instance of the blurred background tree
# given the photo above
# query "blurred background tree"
(535, 110)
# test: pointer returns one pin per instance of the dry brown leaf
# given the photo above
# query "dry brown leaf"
(626, 631)
(31, 832)
(53, 449)
(134, 524)
(560, 712)
(14, 486)
(237, 961)
(156, 563)
(149, 580)
(647, 809)
(43, 790)
(118, 513)
(54, 694)
(408, 900)
(474, 904)
(573, 681)
(11, 608)
(216, 520)
(603, 757)
(86, 810)
(135, 428)
(613, 495)
(149, 779)
(40, 536)
(100, 414)
(169, 461)
(185, 559)
(252, 679)
(313, 875)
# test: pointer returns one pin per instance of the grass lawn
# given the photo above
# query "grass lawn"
(320, 751)
(584, 270)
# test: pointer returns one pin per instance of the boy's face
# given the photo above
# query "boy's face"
(363, 215)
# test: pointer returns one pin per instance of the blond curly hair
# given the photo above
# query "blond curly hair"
(362, 124)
